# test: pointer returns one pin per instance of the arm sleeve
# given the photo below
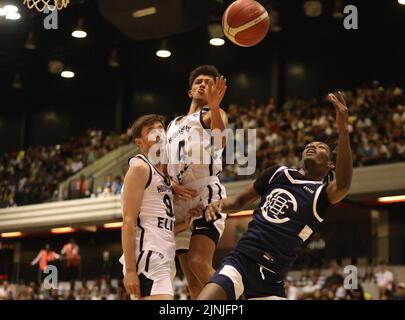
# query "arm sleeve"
(263, 180)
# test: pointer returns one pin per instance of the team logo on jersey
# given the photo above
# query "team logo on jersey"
(277, 204)
(182, 130)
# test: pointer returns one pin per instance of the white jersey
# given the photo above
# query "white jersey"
(186, 136)
(155, 224)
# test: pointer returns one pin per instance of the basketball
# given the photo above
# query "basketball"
(245, 23)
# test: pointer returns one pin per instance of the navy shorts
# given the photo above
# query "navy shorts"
(239, 275)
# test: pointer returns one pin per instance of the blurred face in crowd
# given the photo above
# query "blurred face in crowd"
(317, 154)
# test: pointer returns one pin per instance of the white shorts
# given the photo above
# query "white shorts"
(209, 190)
(156, 273)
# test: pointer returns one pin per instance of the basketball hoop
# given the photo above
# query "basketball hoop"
(41, 5)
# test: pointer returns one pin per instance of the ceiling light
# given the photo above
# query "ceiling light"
(392, 199)
(11, 234)
(163, 51)
(217, 42)
(313, 8)
(13, 16)
(144, 12)
(79, 31)
(401, 2)
(62, 230)
(113, 225)
(216, 34)
(10, 8)
(68, 74)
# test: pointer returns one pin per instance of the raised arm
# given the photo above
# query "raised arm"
(339, 188)
(219, 119)
(135, 182)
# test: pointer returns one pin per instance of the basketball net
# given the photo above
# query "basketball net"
(41, 5)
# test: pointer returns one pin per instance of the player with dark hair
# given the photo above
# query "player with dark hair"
(198, 183)
(292, 206)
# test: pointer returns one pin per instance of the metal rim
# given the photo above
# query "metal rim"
(41, 5)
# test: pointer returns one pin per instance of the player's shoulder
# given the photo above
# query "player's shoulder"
(138, 164)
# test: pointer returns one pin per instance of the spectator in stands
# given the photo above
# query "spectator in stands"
(291, 292)
(369, 275)
(45, 256)
(399, 292)
(335, 278)
(108, 184)
(385, 280)
(5, 291)
(106, 265)
(315, 251)
(369, 284)
(117, 185)
(71, 256)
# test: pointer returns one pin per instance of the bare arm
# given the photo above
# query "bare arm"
(35, 261)
(231, 204)
(339, 188)
(135, 181)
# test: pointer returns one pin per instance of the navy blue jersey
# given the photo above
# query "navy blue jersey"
(291, 208)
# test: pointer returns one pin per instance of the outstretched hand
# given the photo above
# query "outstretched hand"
(339, 103)
(216, 91)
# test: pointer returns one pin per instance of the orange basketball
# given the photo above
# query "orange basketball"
(245, 22)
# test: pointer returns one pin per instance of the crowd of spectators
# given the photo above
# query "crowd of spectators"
(33, 175)
(98, 289)
(309, 285)
(332, 285)
(376, 124)
(377, 127)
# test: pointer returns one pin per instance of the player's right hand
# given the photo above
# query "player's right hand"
(212, 209)
(132, 285)
(216, 91)
(184, 193)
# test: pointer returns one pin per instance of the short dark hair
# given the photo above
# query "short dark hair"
(137, 126)
(207, 70)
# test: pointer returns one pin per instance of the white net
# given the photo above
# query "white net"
(41, 5)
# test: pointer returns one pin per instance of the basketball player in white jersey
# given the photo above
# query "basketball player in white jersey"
(148, 219)
(198, 184)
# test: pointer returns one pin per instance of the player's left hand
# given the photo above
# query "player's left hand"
(183, 193)
(212, 209)
(216, 91)
(339, 103)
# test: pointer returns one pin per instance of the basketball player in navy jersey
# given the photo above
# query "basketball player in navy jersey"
(292, 206)
(198, 184)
